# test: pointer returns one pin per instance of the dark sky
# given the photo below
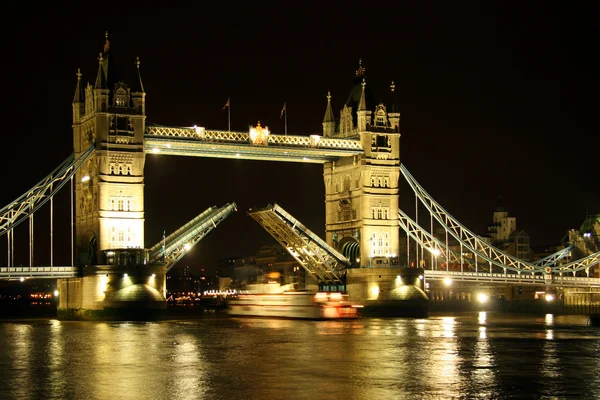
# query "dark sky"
(497, 105)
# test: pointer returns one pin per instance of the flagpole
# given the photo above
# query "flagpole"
(285, 109)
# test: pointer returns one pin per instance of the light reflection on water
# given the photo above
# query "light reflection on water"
(478, 355)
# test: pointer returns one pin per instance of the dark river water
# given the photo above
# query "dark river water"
(466, 356)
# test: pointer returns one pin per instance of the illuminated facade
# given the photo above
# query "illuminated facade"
(361, 191)
(109, 188)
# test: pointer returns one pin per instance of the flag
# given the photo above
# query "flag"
(226, 105)
(282, 111)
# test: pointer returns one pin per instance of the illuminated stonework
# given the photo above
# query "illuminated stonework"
(109, 189)
(361, 191)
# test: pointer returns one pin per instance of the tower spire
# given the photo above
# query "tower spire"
(361, 70)
(393, 109)
(328, 119)
(79, 96)
(137, 85)
(328, 111)
(106, 43)
(100, 78)
(362, 105)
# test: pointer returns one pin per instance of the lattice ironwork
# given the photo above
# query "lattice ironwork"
(173, 247)
(316, 257)
(552, 259)
(484, 250)
(28, 203)
(521, 279)
(430, 242)
(212, 136)
(583, 264)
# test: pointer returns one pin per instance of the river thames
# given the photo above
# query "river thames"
(466, 356)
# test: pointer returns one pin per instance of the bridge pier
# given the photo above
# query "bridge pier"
(388, 292)
(127, 290)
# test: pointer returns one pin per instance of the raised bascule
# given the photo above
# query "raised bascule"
(367, 234)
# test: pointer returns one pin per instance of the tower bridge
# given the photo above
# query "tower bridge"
(369, 244)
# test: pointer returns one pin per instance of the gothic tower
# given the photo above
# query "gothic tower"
(361, 192)
(109, 188)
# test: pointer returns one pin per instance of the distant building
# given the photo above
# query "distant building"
(269, 258)
(586, 240)
(503, 234)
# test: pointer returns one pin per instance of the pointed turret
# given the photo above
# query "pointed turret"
(328, 119)
(138, 95)
(78, 99)
(79, 95)
(363, 114)
(393, 109)
(100, 88)
(101, 76)
(137, 86)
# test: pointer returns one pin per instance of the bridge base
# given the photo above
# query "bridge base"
(113, 292)
(388, 292)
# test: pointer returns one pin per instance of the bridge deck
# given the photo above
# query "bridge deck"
(521, 279)
(16, 273)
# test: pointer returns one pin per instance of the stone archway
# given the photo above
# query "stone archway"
(350, 248)
(88, 251)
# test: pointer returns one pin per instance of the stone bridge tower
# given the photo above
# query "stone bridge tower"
(361, 192)
(109, 188)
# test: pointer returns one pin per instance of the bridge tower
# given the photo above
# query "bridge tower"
(361, 205)
(109, 188)
(361, 192)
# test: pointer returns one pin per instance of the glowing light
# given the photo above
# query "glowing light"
(314, 140)
(549, 297)
(435, 252)
(482, 332)
(549, 319)
(374, 291)
(85, 178)
(421, 277)
(259, 135)
(21, 279)
(187, 247)
(56, 293)
(153, 275)
(156, 150)
(447, 281)
(125, 275)
(482, 317)
(482, 297)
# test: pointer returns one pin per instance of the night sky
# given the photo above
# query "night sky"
(496, 103)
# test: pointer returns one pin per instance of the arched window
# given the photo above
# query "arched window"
(346, 183)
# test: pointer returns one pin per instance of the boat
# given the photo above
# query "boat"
(273, 300)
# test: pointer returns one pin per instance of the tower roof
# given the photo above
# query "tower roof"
(354, 98)
(356, 91)
(107, 69)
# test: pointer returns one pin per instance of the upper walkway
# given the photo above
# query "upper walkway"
(253, 145)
